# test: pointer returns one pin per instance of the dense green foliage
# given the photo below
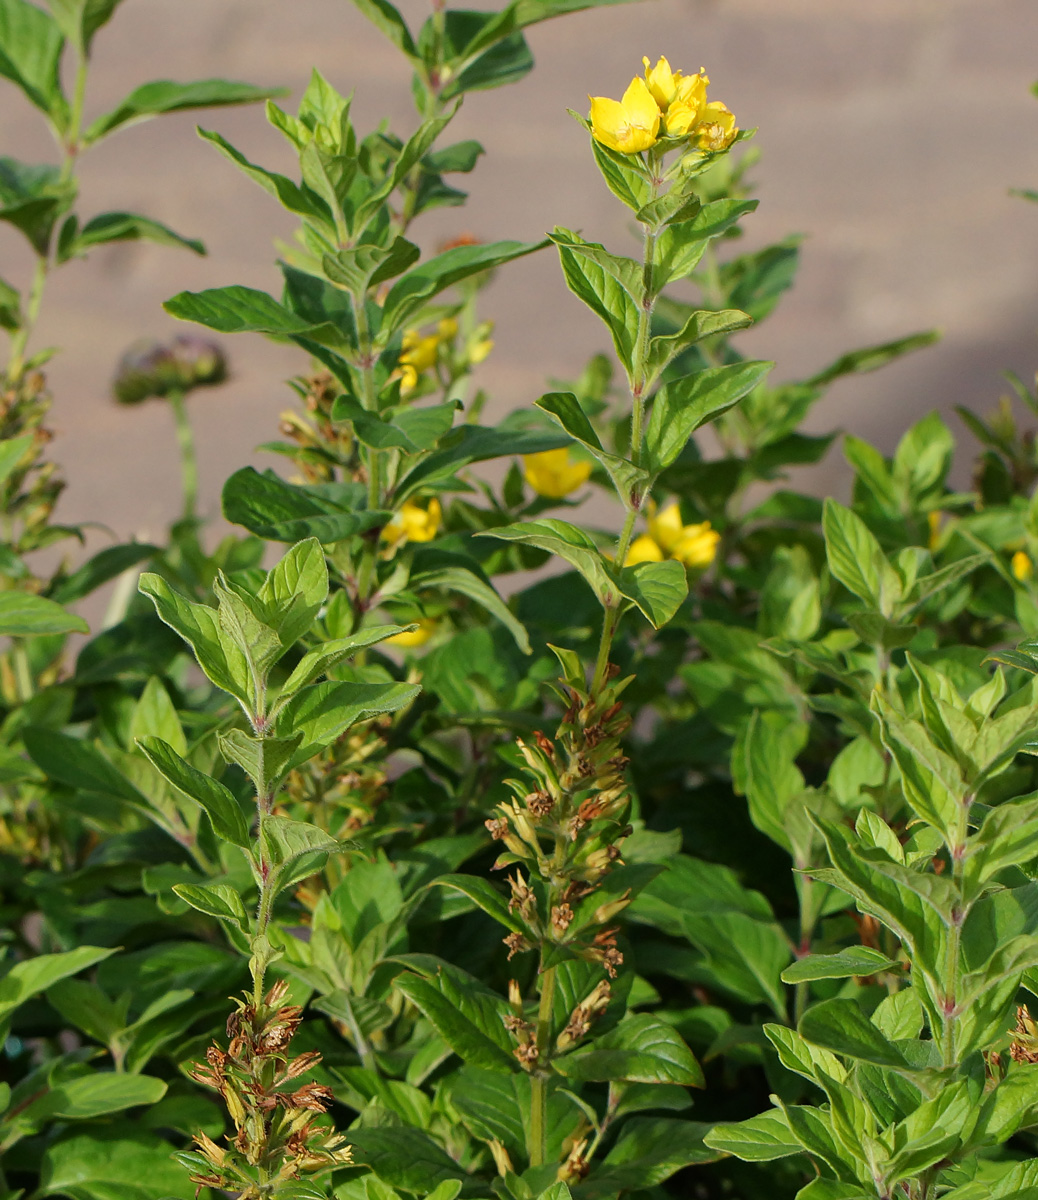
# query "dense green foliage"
(735, 798)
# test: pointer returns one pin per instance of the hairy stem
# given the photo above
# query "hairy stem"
(538, 1148)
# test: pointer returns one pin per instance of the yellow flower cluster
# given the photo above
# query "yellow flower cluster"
(665, 103)
(1022, 566)
(693, 545)
(554, 474)
(420, 352)
(414, 523)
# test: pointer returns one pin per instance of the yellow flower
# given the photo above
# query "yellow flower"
(665, 527)
(628, 125)
(414, 523)
(447, 329)
(661, 81)
(1021, 566)
(554, 474)
(693, 545)
(933, 522)
(414, 637)
(419, 352)
(480, 350)
(680, 97)
(698, 546)
(717, 128)
(643, 549)
(686, 109)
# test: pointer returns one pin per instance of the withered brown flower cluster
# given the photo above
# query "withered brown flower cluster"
(563, 829)
(279, 1135)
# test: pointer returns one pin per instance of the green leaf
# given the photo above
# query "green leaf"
(857, 561)
(855, 960)
(118, 227)
(657, 588)
(403, 1157)
(216, 900)
(474, 443)
(359, 268)
(648, 1151)
(164, 96)
(32, 198)
(34, 975)
(607, 298)
(79, 20)
(388, 20)
(98, 570)
(482, 893)
(631, 482)
(319, 661)
(112, 1164)
(199, 627)
(841, 1026)
(410, 293)
(264, 759)
(223, 810)
(30, 56)
(467, 583)
(568, 543)
(294, 848)
(871, 358)
(288, 194)
(78, 764)
(323, 711)
(295, 590)
(700, 324)
(684, 405)
(271, 508)
(641, 1049)
(760, 1139)
(10, 310)
(23, 614)
(245, 310)
(470, 1018)
(96, 1095)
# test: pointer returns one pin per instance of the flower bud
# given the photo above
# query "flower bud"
(151, 369)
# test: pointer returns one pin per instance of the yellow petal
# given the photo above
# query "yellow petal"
(414, 637)
(608, 121)
(553, 474)
(717, 128)
(643, 549)
(698, 546)
(666, 527)
(1021, 566)
(661, 81)
(629, 125)
(641, 109)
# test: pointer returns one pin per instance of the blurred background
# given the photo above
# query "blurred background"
(891, 133)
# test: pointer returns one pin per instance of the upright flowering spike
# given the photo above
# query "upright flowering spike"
(554, 474)
(628, 125)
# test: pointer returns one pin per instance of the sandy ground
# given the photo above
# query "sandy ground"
(891, 132)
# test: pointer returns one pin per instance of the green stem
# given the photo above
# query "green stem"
(538, 1148)
(75, 125)
(188, 457)
(20, 337)
(22, 671)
